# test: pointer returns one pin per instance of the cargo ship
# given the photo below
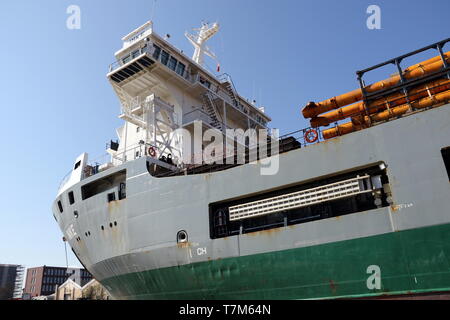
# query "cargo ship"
(355, 206)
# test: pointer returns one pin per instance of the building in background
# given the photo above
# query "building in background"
(11, 278)
(92, 290)
(42, 281)
(69, 290)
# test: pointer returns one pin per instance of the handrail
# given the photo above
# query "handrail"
(64, 180)
(233, 87)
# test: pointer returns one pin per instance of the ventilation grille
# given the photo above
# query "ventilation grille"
(304, 198)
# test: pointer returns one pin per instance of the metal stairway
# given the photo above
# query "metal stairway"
(229, 86)
(210, 108)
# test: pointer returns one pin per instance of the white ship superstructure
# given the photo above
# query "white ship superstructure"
(161, 91)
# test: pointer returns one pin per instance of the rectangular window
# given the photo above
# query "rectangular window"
(71, 197)
(205, 82)
(164, 57)
(446, 156)
(111, 196)
(135, 54)
(156, 52)
(60, 207)
(126, 59)
(180, 68)
(172, 63)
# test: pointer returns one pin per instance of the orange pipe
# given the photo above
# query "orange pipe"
(340, 130)
(385, 115)
(422, 103)
(380, 104)
(314, 109)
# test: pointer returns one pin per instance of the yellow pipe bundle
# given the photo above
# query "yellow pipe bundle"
(381, 104)
(361, 122)
(312, 109)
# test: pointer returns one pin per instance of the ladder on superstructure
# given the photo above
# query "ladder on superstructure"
(231, 89)
(210, 108)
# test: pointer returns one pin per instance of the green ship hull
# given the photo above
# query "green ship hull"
(410, 262)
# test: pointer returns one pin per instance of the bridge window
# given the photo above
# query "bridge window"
(172, 63)
(135, 54)
(126, 59)
(180, 68)
(164, 57)
(156, 52)
(446, 156)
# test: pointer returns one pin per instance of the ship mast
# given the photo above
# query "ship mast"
(199, 40)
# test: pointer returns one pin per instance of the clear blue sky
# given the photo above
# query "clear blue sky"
(57, 103)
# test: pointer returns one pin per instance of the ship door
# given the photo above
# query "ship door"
(122, 191)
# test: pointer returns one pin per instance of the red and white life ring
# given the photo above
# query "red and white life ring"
(311, 135)
(152, 152)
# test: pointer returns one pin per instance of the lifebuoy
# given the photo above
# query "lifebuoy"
(152, 152)
(311, 135)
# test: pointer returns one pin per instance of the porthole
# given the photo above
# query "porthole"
(111, 225)
(75, 213)
(103, 228)
(182, 236)
(115, 223)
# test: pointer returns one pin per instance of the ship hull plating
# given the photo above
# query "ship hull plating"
(130, 245)
(410, 262)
